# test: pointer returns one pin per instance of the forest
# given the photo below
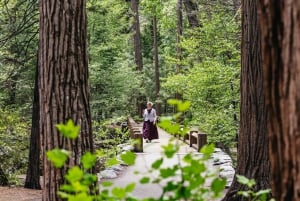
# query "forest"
(73, 72)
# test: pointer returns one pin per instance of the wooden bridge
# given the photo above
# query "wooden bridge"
(193, 137)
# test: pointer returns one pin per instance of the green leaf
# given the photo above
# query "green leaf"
(58, 157)
(157, 163)
(112, 161)
(107, 183)
(174, 129)
(130, 187)
(207, 150)
(88, 160)
(167, 172)
(218, 185)
(145, 180)
(170, 150)
(119, 192)
(128, 157)
(244, 193)
(261, 192)
(68, 188)
(63, 195)
(244, 180)
(165, 124)
(69, 130)
(89, 179)
(183, 106)
(173, 101)
(78, 187)
(81, 197)
(74, 174)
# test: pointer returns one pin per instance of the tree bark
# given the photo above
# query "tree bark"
(179, 35)
(191, 8)
(33, 170)
(63, 85)
(138, 57)
(280, 26)
(236, 4)
(137, 35)
(156, 67)
(253, 160)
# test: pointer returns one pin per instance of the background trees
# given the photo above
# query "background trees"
(18, 42)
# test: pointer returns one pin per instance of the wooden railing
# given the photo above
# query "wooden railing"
(136, 134)
(194, 138)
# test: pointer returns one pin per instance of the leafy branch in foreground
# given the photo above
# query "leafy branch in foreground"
(261, 195)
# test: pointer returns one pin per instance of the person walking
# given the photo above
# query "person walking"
(149, 127)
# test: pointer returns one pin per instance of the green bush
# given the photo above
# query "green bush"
(14, 143)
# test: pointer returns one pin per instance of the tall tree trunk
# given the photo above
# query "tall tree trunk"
(178, 40)
(191, 8)
(179, 35)
(280, 24)
(138, 58)
(137, 35)
(63, 85)
(253, 160)
(33, 170)
(236, 4)
(156, 67)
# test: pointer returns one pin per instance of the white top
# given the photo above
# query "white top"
(150, 116)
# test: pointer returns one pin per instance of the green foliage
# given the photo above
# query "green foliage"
(18, 47)
(261, 195)
(114, 82)
(58, 157)
(69, 130)
(128, 158)
(14, 140)
(210, 75)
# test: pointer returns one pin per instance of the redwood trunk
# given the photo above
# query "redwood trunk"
(179, 35)
(137, 35)
(63, 85)
(191, 8)
(236, 4)
(138, 58)
(33, 170)
(280, 24)
(156, 67)
(253, 160)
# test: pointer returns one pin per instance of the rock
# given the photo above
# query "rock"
(227, 168)
(116, 168)
(125, 147)
(218, 150)
(108, 174)
(221, 159)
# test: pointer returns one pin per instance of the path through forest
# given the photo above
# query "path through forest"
(152, 152)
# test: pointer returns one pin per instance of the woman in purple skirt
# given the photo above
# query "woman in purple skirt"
(149, 128)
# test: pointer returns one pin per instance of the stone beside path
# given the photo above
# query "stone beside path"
(122, 176)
